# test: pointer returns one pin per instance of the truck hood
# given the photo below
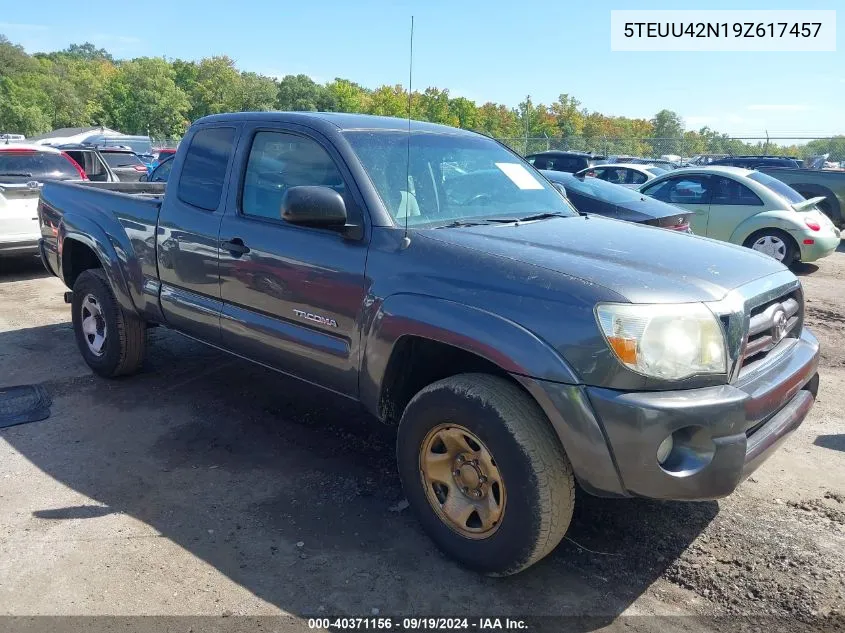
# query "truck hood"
(643, 264)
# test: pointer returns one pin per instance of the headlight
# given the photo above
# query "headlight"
(665, 341)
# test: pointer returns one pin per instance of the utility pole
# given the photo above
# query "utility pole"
(527, 115)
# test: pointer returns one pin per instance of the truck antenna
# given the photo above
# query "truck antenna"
(406, 241)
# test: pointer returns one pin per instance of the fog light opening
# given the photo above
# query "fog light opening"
(664, 450)
(686, 452)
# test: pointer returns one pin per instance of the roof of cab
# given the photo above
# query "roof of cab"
(341, 121)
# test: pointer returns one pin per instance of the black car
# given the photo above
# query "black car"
(563, 161)
(92, 162)
(754, 162)
(591, 195)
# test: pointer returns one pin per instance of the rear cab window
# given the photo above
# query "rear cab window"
(204, 168)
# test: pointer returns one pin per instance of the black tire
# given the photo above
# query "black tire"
(535, 470)
(792, 251)
(125, 341)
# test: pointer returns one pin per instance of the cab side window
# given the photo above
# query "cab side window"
(278, 161)
(733, 193)
(204, 168)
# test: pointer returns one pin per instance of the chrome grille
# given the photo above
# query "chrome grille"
(770, 326)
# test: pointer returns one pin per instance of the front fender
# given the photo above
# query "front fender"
(496, 339)
(777, 219)
(113, 260)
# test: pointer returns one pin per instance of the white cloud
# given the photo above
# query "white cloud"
(117, 39)
(778, 107)
(14, 26)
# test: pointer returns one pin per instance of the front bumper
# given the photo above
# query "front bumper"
(722, 433)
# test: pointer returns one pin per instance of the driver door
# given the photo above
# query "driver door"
(292, 295)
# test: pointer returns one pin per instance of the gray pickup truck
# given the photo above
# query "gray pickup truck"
(439, 280)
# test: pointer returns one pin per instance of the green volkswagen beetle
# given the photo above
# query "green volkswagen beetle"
(749, 208)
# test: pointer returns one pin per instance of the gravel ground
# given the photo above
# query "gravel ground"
(206, 486)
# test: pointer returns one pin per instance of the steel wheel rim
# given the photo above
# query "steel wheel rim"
(93, 325)
(462, 481)
(771, 246)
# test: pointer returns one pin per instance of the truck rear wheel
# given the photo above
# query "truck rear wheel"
(111, 340)
(485, 473)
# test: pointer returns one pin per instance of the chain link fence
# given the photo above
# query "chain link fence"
(677, 147)
(164, 143)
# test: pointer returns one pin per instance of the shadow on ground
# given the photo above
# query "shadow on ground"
(833, 442)
(238, 465)
(801, 269)
(21, 268)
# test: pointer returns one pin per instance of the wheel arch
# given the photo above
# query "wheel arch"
(435, 338)
(780, 220)
(80, 251)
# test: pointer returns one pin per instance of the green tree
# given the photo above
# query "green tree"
(13, 59)
(256, 93)
(301, 93)
(834, 146)
(464, 112)
(86, 52)
(347, 96)
(21, 108)
(143, 97)
(389, 101)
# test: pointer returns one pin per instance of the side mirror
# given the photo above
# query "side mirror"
(316, 206)
(560, 188)
(144, 178)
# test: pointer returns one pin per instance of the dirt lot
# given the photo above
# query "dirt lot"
(209, 486)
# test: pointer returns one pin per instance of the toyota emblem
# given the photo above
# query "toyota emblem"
(32, 184)
(779, 325)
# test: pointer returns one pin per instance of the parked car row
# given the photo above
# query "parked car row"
(731, 204)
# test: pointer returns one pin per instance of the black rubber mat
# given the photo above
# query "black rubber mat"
(22, 404)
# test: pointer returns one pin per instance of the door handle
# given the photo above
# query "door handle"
(235, 246)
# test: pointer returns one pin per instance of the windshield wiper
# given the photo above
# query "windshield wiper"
(543, 216)
(462, 223)
(22, 174)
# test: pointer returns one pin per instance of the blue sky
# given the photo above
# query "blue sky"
(495, 50)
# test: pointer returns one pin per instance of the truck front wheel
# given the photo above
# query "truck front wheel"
(111, 340)
(485, 473)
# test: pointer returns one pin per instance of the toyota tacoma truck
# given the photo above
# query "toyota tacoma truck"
(436, 278)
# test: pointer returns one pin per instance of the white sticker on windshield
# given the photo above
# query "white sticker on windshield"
(520, 176)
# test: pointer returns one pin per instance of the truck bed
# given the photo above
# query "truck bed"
(120, 215)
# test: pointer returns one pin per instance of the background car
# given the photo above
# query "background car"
(93, 163)
(563, 161)
(628, 174)
(124, 162)
(160, 155)
(755, 162)
(23, 169)
(592, 195)
(749, 208)
(161, 172)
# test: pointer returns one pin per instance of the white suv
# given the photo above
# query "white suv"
(23, 169)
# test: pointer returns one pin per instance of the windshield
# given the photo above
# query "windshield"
(780, 188)
(452, 177)
(657, 171)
